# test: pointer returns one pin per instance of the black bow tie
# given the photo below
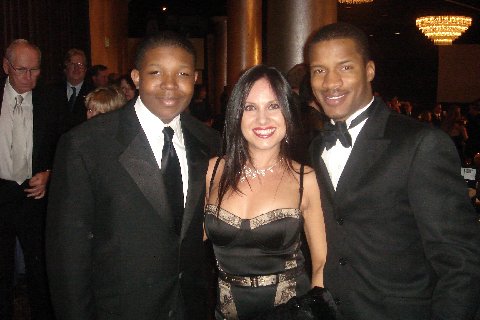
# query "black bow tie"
(338, 131)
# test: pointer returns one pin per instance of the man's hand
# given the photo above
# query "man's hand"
(38, 185)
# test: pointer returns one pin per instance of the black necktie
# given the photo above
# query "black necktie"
(339, 131)
(172, 177)
(73, 97)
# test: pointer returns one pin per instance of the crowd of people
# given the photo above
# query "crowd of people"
(115, 214)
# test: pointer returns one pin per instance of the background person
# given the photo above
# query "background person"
(103, 100)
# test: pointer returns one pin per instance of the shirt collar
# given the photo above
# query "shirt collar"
(152, 125)
(356, 113)
(78, 86)
(13, 93)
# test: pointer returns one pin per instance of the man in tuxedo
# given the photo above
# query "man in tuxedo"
(438, 115)
(27, 145)
(124, 226)
(67, 97)
(403, 239)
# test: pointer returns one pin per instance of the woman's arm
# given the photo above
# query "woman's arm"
(314, 226)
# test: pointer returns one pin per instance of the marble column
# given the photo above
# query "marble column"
(244, 42)
(289, 24)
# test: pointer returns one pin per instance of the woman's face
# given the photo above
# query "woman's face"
(127, 90)
(263, 124)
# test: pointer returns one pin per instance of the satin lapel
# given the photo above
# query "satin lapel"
(326, 185)
(368, 148)
(197, 158)
(139, 161)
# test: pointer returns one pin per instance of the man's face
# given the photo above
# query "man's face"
(76, 69)
(101, 79)
(166, 81)
(24, 69)
(340, 77)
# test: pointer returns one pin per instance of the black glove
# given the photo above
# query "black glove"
(316, 304)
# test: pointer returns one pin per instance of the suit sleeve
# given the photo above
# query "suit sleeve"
(448, 225)
(69, 235)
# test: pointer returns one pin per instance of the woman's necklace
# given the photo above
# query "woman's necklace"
(249, 173)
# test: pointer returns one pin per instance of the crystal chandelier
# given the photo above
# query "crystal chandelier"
(354, 1)
(442, 30)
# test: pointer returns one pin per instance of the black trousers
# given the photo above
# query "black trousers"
(24, 218)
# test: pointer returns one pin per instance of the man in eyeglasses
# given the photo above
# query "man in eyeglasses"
(68, 96)
(27, 145)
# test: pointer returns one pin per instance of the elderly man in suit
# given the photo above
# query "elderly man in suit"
(124, 226)
(27, 145)
(403, 240)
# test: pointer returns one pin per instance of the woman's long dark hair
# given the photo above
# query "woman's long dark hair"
(234, 143)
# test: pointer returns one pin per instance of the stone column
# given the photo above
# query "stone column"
(244, 42)
(289, 24)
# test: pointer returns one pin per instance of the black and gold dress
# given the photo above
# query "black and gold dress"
(259, 260)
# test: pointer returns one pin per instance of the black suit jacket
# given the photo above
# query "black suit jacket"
(44, 134)
(58, 100)
(112, 251)
(403, 240)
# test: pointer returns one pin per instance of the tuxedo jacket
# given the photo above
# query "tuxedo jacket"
(44, 134)
(112, 249)
(403, 240)
(58, 100)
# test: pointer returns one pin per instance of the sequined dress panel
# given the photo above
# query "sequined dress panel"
(268, 244)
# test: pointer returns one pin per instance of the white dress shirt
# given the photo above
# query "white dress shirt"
(153, 126)
(6, 126)
(336, 157)
(78, 87)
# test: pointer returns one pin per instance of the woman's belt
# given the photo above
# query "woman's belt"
(260, 281)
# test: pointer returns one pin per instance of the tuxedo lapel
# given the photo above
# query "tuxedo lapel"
(139, 161)
(197, 158)
(369, 146)
(325, 182)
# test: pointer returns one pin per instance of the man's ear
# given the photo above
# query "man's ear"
(135, 75)
(5, 65)
(370, 68)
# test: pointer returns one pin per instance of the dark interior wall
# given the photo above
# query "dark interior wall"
(53, 25)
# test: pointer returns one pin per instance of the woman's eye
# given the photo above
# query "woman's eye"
(249, 107)
(274, 106)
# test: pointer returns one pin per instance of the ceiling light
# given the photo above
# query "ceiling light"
(442, 30)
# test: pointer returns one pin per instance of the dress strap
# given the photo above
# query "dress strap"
(300, 189)
(213, 174)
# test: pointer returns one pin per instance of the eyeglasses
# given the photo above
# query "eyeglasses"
(23, 71)
(78, 65)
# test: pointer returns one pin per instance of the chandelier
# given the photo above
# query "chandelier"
(354, 1)
(442, 30)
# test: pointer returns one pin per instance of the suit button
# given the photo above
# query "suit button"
(337, 301)
(342, 261)
(180, 275)
(340, 221)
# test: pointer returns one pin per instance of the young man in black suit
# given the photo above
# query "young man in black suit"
(27, 145)
(403, 239)
(120, 243)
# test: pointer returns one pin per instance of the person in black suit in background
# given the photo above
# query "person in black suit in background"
(67, 97)
(403, 239)
(124, 226)
(27, 145)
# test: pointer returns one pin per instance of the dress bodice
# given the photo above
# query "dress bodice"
(261, 245)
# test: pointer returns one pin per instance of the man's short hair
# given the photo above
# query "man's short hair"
(94, 70)
(342, 30)
(74, 52)
(10, 51)
(163, 39)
